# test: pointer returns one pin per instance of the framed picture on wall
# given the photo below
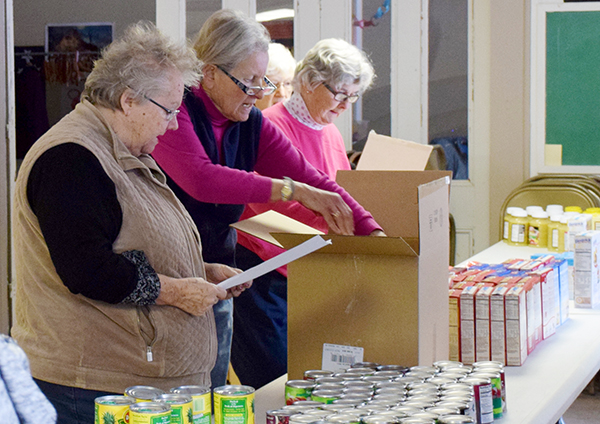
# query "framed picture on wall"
(78, 37)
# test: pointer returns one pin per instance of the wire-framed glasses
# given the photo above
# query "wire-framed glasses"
(251, 91)
(342, 97)
(171, 113)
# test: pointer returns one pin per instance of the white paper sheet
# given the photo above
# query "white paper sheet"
(272, 264)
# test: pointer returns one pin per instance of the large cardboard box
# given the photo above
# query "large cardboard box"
(388, 295)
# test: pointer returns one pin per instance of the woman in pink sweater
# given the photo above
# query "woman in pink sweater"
(331, 76)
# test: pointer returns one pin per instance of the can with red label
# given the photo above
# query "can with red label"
(496, 380)
(482, 392)
(279, 416)
(296, 390)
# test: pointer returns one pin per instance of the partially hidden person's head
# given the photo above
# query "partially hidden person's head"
(233, 49)
(141, 78)
(332, 74)
(281, 73)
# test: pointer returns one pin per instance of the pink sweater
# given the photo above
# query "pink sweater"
(324, 149)
(181, 155)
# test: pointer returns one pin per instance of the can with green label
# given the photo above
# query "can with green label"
(201, 402)
(150, 413)
(234, 404)
(181, 407)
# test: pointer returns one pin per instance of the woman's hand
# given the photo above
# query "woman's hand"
(215, 273)
(192, 295)
(328, 204)
(378, 233)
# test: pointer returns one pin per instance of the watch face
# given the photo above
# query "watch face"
(286, 192)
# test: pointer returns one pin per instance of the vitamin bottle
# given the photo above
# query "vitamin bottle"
(506, 222)
(518, 228)
(563, 233)
(537, 234)
(553, 233)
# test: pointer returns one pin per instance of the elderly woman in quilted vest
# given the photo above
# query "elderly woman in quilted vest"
(111, 289)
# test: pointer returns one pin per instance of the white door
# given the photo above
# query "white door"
(412, 66)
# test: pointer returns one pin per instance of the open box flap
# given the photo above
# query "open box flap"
(392, 197)
(366, 245)
(383, 153)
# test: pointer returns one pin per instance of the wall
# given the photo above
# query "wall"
(509, 112)
(31, 16)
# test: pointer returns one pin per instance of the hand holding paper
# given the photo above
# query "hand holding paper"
(272, 264)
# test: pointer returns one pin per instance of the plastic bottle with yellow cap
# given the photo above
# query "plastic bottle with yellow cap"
(552, 244)
(563, 233)
(518, 228)
(508, 217)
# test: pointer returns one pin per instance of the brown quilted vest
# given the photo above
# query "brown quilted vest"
(75, 341)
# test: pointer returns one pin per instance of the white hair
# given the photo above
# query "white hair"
(141, 60)
(335, 62)
(281, 61)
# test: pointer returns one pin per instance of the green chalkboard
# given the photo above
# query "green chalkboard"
(573, 85)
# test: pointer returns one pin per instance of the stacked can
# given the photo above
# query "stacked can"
(447, 392)
(234, 404)
(201, 402)
(112, 409)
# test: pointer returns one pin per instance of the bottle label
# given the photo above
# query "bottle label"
(518, 233)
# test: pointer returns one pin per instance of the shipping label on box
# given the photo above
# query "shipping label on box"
(515, 309)
(586, 270)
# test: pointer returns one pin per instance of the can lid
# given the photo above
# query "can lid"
(143, 392)
(115, 400)
(150, 407)
(233, 390)
(455, 419)
(193, 390)
(173, 398)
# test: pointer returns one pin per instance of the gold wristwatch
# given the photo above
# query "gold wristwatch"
(287, 191)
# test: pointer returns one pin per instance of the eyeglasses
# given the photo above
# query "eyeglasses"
(342, 97)
(171, 113)
(251, 91)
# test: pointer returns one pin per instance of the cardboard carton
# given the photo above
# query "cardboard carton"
(388, 295)
(482, 324)
(515, 308)
(497, 324)
(587, 270)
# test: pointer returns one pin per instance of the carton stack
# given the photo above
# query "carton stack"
(501, 312)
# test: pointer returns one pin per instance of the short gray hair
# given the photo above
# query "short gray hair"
(228, 37)
(141, 61)
(335, 62)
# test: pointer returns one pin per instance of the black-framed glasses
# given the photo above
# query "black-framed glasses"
(342, 97)
(171, 113)
(251, 91)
